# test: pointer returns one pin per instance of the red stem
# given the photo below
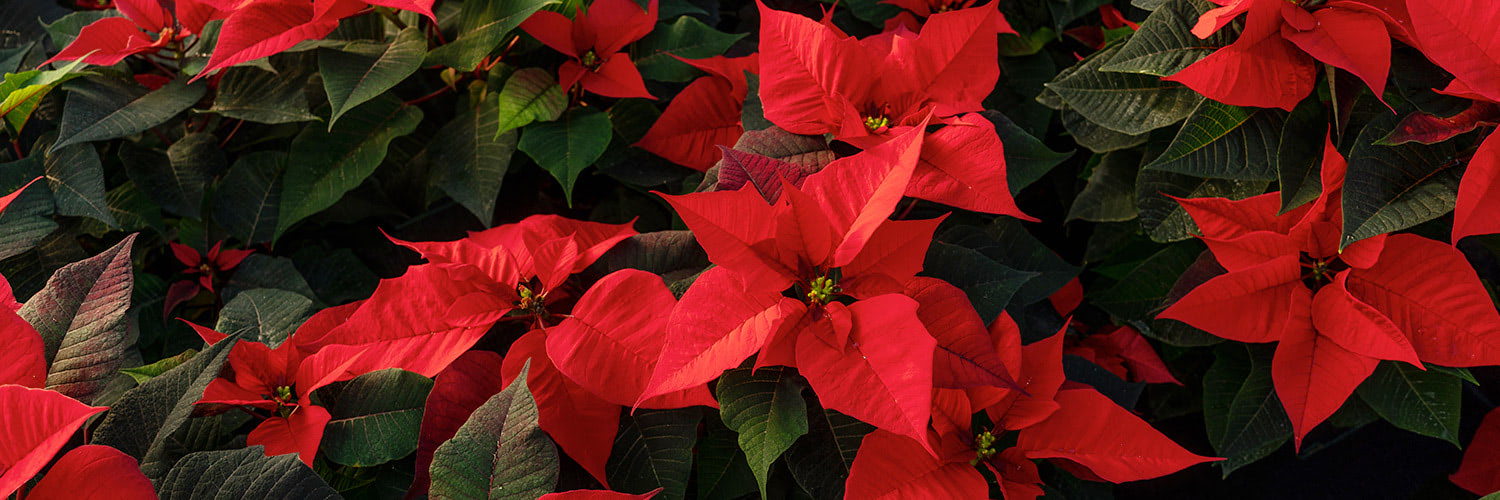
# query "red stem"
(429, 97)
(236, 128)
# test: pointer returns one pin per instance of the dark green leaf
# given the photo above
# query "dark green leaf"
(360, 71)
(1026, 158)
(81, 317)
(1008, 243)
(1138, 294)
(376, 418)
(1064, 12)
(1301, 150)
(988, 284)
(65, 29)
(530, 94)
(266, 271)
(132, 209)
(685, 37)
(330, 163)
(247, 200)
(145, 420)
(1425, 402)
(1220, 141)
(28, 218)
(1390, 188)
(723, 471)
(567, 146)
(243, 474)
(256, 95)
(820, 461)
(1165, 43)
(1123, 102)
(470, 161)
(499, 453)
(483, 25)
(264, 315)
(1109, 195)
(103, 109)
(21, 92)
(77, 181)
(753, 114)
(654, 449)
(1095, 137)
(1244, 418)
(766, 408)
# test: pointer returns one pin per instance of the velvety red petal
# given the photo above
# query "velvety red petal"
(965, 356)
(268, 27)
(1480, 471)
(859, 192)
(300, 433)
(106, 42)
(553, 30)
(581, 423)
(890, 466)
(94, 472)
(1091, 430)
(1265, 73)
(731, 227)
(1479, 193)
(33, 436)
(461, 388)
(1348, 39)
(953, 59)
(1460, 36)
(894, 253)
(1357, 326)
(704, 115)
(1252, 305)
(963, 165)
(1314, 376)
(22, 359)
(617, 77)
(1429, 290)
(805, 66)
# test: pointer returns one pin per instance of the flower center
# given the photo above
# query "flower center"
(877, 118)
(1318, 272)
(205, 268)
(531, 301)
(822, 289)
(984, 447)
(590, 60)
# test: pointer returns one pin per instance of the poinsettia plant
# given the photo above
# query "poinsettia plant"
(729, 249)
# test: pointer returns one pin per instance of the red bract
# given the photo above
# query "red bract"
(1124, 352)
(830, 239)
(1271, 65)
(704, 115)
(1336, 312)
(1079, 429)
(33, 436)
(915, 12)
(817, 80)
(594, 39)
(260, 28)
(281, 381)
(598, 495)
(208, 268)
(518, 267)
(1459, 36)
(1480, 471)
(148, 26)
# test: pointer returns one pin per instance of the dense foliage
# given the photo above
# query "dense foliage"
(630, 249)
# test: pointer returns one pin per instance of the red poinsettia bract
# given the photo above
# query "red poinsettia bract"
(704, 115)
(1335, 313)
(817, 80)
(594, 39)
(1272, 64)
(1458, 35)
(1074, 426)
(208, 268)
(148, 26)
(1124, 352)
(280, 381)
(254, 29)
(583, 371)
(831, 240)
(37, 423)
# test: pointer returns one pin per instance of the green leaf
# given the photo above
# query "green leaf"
(1301, 150)
(1096, 137)
(1123, 102)
(266, 271)
(1163, 219)
(499, 453)
(483, 25)
(723, 471)
(567, 146)
(654, 449)
(1425, 402)
(329, 163)
(28, 219)
(65, 29)
(1064, 12)
(1027, 159)
(143, 422)
(1220, 141)
(1244, 418)
(766, 408)
(1138, 294)
(820, 461)
(376, 418)
(12, 58)
(1006, 242)
(1109, 195)
(753, 113)
(21, 92)
(243, 473)
(1390, 188)
(469, 161)
(147, 372)
(264, 315)
(80, 315)
(104, 109)
(177, 186)
(363, 70)
(77, 181)
(686, 37)
(131, 208)
(988, 284)
(530, 94)
(256, 95)
(247, 200)
(1165, 44)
